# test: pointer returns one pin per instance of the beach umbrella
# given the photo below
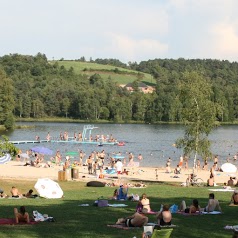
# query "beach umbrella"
(4, 159)
(48, 188)
(24, 155)
(42, 150)
(228, 168)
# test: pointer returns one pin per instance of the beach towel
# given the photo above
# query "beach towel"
(12, 221)
(188, 214)
(211, 213)
(120, 226)
(221, 190)
(155, 224)
(16, 198)
(117, 205)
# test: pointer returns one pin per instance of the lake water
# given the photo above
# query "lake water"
(154, 142)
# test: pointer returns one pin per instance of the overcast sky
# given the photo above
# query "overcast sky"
(128, 30)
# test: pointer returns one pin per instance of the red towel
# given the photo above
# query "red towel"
(11, 221)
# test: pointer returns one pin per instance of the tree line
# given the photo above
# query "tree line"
(30, 86)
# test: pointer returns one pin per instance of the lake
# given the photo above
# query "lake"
(154, 142)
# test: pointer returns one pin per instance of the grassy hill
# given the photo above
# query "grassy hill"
(120, 75)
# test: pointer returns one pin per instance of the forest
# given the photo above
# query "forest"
(33, 87)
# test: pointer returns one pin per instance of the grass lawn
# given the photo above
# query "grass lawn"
(97, 68)
(76, 221)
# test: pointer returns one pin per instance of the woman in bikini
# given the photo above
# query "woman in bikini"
(192, 208)
(22, 215)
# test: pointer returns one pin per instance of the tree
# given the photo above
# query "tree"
(7, 103)
(198, 113)
(65, 106)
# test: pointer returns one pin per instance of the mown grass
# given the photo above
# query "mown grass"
(73, 220)
(98, 68)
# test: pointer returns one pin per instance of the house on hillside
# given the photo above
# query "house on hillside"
(142, 87)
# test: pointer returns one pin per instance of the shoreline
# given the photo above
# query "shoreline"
(16, 170)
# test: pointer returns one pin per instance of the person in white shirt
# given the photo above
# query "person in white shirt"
(119, 166)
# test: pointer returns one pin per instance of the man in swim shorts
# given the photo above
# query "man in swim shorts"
(212, 204)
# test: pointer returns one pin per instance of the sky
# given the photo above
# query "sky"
(127, 30)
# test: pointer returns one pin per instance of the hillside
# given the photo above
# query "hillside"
(120, 75)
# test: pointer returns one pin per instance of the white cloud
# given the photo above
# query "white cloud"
(131, 49)
(225, 43)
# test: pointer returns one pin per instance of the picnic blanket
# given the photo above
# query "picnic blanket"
(12, 221)
(117, 205)
(199, 213)
(188, 214)
(120, 226)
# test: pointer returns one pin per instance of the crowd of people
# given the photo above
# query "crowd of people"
(15, 193)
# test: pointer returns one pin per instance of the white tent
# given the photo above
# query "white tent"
(48, 188)
(229, 168)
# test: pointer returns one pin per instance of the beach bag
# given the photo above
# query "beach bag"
(102, 202)
(173, 208)
(38, 216)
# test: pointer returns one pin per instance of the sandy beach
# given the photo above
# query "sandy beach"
(17, 170)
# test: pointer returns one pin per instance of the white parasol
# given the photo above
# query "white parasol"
(4, 159)
(229, 168)
(48, 188)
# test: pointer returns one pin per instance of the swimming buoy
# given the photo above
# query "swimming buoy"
(121, 143)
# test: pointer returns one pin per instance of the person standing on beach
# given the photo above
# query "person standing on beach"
(81, 156)
(205, 166)
(119, 166)
(90, 165)
(131, 157)
(216, 162)
(198, 165)
(181, 161)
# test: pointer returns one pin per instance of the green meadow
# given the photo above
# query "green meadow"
(73, 220)
(98, 68)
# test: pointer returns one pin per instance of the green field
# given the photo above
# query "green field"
(73, 220)
(97, 68)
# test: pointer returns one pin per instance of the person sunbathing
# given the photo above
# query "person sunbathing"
(145, 202)
(192, 208)
(30, 194)
(136, 220)
(22, 215)
(164, 217)
(212, 204)
(234, 198)
(15, 193)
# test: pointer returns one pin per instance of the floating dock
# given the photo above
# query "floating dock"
(87, 131)
(28, 141)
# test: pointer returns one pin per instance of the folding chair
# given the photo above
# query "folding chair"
(166, 233)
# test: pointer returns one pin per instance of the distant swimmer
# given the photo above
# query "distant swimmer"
(140, 157)
(48, 137)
